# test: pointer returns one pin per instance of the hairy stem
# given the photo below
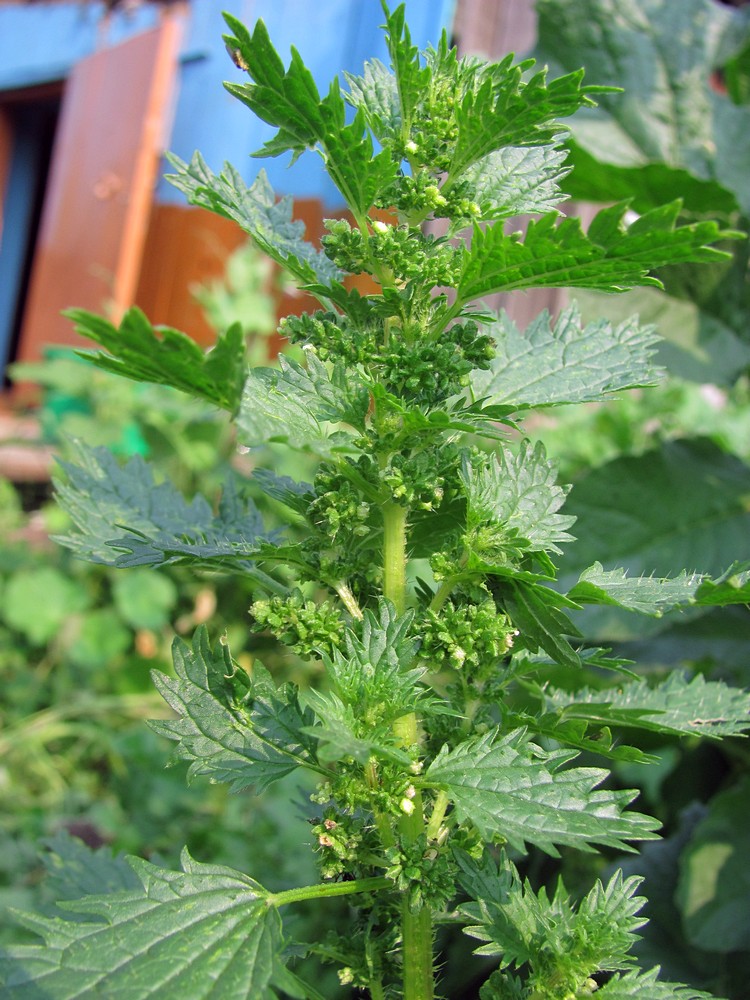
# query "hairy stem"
(416, 928)
(394, 554)
(376, 991)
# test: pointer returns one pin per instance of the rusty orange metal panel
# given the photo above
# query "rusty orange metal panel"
(185, 247)
(101, 185)
(190, 246)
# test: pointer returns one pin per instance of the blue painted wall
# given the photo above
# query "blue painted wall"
(42, 42)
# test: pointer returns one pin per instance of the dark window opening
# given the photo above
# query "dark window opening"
(33, 116)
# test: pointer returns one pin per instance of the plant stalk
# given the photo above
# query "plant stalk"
(328, 889)
(416, 927)
(394, 554)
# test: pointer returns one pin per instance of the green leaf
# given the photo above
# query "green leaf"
(684, 505)
(662, 939)
(75, 870)
(646, 185)
(201, 932)
(375, 93)
(732, 587)
(231, 728)
(124, 518)
(663, 55)
(637, 985)
(412, 77)
(341, 733)
(289, 100)
(555, 938)
(294, 405)
(518, 493)
(714, 884)
(256, 210)
(499, 108)
(565, 362)
(517, 181)
(164, 356)
(655, 596)
(534, 610)
(578, 734)
(677, 706)
(374, 674)
(698, 345)
(509, 787)
(648, 595)
(610, 257)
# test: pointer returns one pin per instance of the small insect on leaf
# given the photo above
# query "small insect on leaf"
(237, 58)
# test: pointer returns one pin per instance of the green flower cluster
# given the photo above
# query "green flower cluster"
(308, 628)
(399, 250)
(339, 509)
(467, 636)
(423, 871)
(420, 195)
(339, 844)
(413, 480)
(333, 336)
(434, 126)
(430, 372)
(427, 372)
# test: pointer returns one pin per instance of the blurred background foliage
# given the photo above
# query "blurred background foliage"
(662, 476)
(661, 483)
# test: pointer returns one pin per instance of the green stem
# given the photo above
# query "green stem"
(376, 991)
(442, 594)
(382, 822)
(416, 928)
(329, 889)
(347, 599)
(394, 554)
(438, 814)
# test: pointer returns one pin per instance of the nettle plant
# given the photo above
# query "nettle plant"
(461, 715)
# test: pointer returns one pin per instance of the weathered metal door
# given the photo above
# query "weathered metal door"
(101, 183)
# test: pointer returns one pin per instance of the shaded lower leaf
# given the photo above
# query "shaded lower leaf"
(510, 787)
(123, 517)
(202, 932)
(683, 505)
(713, 891)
